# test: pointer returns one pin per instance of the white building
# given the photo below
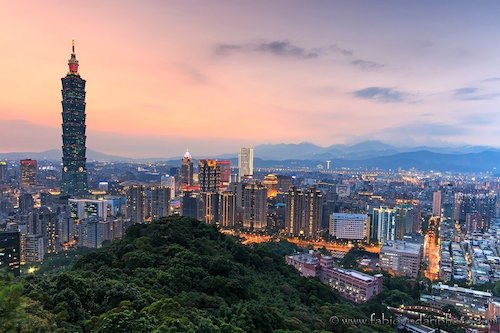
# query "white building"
(349, 226)
(401, 258)
(245, 162)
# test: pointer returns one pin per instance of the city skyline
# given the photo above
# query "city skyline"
(418, 73)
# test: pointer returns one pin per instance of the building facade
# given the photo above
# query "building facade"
(209, 175)
(245, 163)
(255, 207)
(401, 258)
(74, 172)
(349, 226)
(28, 169)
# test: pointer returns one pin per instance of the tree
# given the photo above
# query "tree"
(12, 314)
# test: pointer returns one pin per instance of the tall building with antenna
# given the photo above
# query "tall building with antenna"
(74, 173)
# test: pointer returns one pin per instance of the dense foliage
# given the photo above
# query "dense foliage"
(180, 275)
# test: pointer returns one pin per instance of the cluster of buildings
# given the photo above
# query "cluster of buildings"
(355, 286)
(46, 207)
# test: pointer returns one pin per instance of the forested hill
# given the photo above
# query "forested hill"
(180, 275)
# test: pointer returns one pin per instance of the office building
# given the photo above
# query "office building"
(28, 170)
(208, 175)
(245, 163)
(10, 251)
(135, 197)
(187, 170)
(401, 258)
(349, 226)
(255, 207)
(74, 171)
(227, 209)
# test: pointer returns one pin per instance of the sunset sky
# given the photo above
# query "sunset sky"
(212, 76)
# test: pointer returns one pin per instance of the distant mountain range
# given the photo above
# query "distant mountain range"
(359, 151)
(56, 155)
(368, 154)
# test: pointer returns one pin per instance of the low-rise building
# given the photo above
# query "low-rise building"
(401, 258)
(352, 285)
(471, 303)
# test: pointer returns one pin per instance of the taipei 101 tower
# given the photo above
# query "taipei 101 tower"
(74, 172)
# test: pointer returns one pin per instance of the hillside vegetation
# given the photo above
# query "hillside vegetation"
(180, 275)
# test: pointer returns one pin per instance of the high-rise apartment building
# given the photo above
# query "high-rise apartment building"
(225, 171)
(403, 221)
(208, 175)
(136, 203)
(436, 203)
(271, 183)
(187, 170)
(304, 212)
(227, 209)
(74, 172)
(313, 213)
(28, 169)
(190, 204)
(245, 162)
(383, 224)
(255, 206)
(208, 207)
(294, 214)
(159, 203)
(3, 172)
(33, 248)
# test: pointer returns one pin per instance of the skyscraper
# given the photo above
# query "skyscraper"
(313, 213)
(383, 227)
(159, 205)
(3, 172)
(294, 215)
(28, 173)
(225, 171)
(187, 170)
(208, 175)
(74, 173)
(136, 203)
(255, 207)
(245, 162)
(228, 209)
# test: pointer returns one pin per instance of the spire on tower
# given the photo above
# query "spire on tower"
(72, 62)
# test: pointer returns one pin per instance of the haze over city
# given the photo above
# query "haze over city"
(163, 76)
